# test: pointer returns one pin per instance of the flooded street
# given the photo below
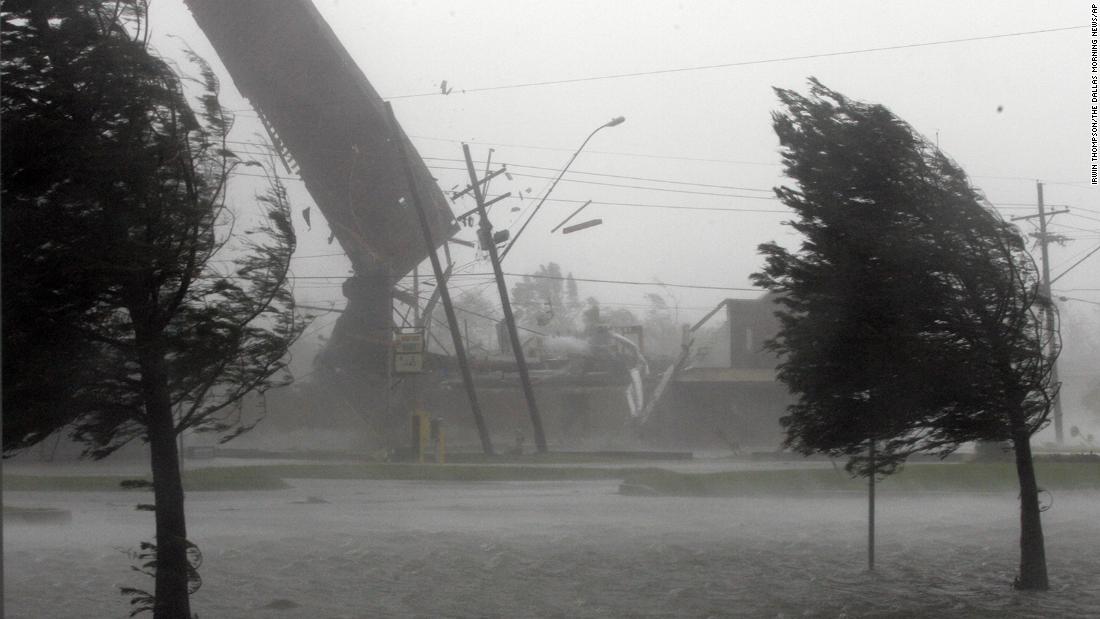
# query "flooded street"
(367, 309)
(335, 548)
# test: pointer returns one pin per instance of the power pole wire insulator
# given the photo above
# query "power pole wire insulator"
(470, 188)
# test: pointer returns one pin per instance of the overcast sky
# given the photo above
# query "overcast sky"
(1010, 110)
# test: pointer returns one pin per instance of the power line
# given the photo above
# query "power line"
(1080, 300)
(603, 174)
(1074, 265)
(279, 177)
(318, 256)
(1027, 179)
(479, 315)
(1077, 184)
(744, 63)
(583, 172)
(556, 149)
(1067, 226)
(321, 326)
(1003, 206)
(621, 185)
(1073, 214)
(674, 206)
(551, 148)
(1062, 263)
(599, 152)
(620, 281)
(311, 277)
(537, 276)
(1000, 205)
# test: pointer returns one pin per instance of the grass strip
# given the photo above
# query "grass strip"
(445, 472)
(272, 477)
(969, 477)
(966, 477)
(226, 478)
(569, 457)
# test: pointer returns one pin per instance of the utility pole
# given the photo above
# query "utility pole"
(1044, 240)
(441, 286)
(486, 230)
(416, 296)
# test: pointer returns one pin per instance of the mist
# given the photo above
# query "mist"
(388, 548)
(598, 423)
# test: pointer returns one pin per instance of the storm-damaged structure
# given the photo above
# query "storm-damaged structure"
(331, 127)
(723, 391)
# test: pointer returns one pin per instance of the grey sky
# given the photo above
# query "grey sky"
(1010, 110)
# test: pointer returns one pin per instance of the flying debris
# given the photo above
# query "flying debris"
(581, 226)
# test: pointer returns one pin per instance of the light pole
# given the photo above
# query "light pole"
(618, 120)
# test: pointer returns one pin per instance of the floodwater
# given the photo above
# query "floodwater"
(328, 548)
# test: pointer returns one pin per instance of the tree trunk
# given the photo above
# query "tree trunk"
(172, 601)
(871, 509)
(1033, 562)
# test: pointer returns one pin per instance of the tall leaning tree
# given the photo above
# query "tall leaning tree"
(136, 304)
(911, 315)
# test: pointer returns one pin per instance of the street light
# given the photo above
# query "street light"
(614, 122)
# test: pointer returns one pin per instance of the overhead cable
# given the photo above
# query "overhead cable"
(743, 63)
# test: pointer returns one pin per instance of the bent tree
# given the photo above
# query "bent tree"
(136, 303)
(910, 316)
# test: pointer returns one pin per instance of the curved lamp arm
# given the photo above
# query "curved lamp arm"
(618, 120)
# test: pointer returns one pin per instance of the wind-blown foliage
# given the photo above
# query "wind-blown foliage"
(912, 312)
(113, 208)
(132, 307)
(911, 315)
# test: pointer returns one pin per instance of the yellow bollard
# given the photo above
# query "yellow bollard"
(440, 448)
(421, 434)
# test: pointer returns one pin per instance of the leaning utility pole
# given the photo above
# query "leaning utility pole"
(486, 235)
(1044, 240)
(441, 286)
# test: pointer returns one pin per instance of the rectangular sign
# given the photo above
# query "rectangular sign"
(409, 343)
(408, 351)
(409, 363)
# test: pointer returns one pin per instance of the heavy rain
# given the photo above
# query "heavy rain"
(318, 308)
